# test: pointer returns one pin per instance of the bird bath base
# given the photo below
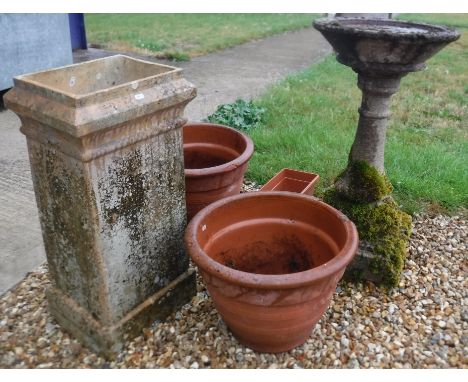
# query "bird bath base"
(384, 228)
(384, 233)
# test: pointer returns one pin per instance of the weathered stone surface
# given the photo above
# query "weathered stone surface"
(105, 147)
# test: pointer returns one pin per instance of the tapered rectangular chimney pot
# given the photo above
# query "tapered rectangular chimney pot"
(105, 147)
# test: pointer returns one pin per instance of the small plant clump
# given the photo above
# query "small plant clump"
(241, 115)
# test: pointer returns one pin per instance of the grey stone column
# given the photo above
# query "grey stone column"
(374, 112)
(105, 148)
(369, 143)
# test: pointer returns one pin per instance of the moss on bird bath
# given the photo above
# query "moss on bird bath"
(363, 183)
(384, 231)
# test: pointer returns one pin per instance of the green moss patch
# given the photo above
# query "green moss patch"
(385, 229)
(364, 183)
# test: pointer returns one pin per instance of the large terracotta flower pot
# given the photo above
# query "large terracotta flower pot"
(215, 159)
(271, 262)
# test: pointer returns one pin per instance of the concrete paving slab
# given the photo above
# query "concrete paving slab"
(244, 71)
(21, 248)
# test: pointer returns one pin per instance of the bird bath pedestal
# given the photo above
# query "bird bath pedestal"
(381, 52)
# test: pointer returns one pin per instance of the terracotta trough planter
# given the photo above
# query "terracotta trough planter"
(271, 262)
(301, 182)
(215, 160)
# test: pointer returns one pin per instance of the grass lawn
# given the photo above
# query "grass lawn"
(456, 20)
(311, 120)
(184, 35)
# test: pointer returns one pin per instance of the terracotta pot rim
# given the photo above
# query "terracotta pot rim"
(226, 167)
(261, 281)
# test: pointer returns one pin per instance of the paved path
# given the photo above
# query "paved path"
(242, 71)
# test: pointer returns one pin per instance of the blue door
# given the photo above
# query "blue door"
(77, 31)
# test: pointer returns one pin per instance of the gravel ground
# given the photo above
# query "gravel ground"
(421, 324)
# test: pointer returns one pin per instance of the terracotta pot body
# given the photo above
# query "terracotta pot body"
(301, 182)
(271, 262)
(215, 160)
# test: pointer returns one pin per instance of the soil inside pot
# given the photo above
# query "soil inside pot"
(207, 155)
(271, 248)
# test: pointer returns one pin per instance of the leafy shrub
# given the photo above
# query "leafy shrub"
(241, 115)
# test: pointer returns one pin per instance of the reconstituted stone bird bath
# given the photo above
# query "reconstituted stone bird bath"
(381, 52)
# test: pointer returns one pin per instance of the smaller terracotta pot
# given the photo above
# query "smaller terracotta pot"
(271, 262)
(215, 160)
(301, 182)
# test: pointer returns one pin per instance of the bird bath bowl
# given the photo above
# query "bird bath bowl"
(382, 45)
